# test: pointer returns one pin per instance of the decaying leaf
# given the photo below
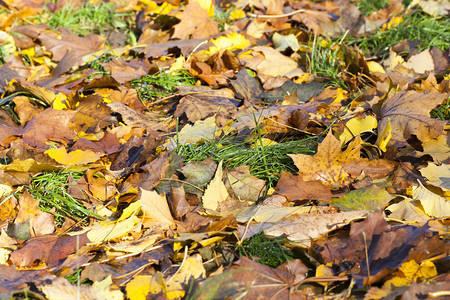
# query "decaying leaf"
(216, 192)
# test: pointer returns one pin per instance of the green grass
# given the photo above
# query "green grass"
(270, 251)
(324, 61)
(416, 26)
(369, 6)
(89, 18)
(442, 111)
(51, 191)
(266, 162)
(222, 17)
(160, 84)
(74, 278)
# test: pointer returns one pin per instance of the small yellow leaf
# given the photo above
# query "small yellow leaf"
(60, 102)
(100, 233)
(142, 285)
(433, 204)
(28, 165)
(384, 135)
(5, 189)
(155, 209)
(201, 130)
(356, 126)
(191, 268)
(77, 157)
(231, 42)
(427, 270)
(237, 14)
(375, 67)
(216, 191)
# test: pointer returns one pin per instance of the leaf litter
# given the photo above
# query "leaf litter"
(215, 149)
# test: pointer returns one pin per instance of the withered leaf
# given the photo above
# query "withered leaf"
(408, 113)
(196, 22)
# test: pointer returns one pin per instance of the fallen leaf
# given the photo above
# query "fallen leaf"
(196, 22)
(156, 209)
(62, 288)
(77, 157)
(437, 175)
(295, 188)
(408, 113)
(268, 62)
(369, 198)
(326, 165)
(216, 192)
(408, 210)
(433, 204)
(244, 185)
(385, 247)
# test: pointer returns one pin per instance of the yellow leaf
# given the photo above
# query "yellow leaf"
(375, 67)
(142, 285)
(438, 175)
(103, 232)
(164, 9)
(216, 191)
(155, 209)
(427, 270)
(201, 130)
(356, 126)
(60, 102)
(77, 157)
(326, 164)
(433, 204)
(409, 269)
(192, 267)
(177, 65)
(341, 94)
(231, 42)
(384, 135)
(28, 165)
(5, 189)
(408, 210)
(237, 14)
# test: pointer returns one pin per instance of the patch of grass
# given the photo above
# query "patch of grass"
(266, 162)
(161, 84)
(222, 17)
(51, 191)
(369, 6)
(271, 251)
(416, 26)
(74, 278)
(442, 111)
(325, 60)
(89, 18)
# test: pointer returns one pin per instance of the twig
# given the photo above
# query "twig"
(182, 263)
(277, 16)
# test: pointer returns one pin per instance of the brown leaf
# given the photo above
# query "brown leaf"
(47, 249)
(13, 280)
(387, 247)
(294, 188)
(49, 125)
(409, 114)
(196, 22)
(244, 185)
(251, 280)
(200, 107)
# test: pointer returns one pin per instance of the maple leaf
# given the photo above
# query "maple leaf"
(195, 21)
(408, 114)
(326, 165)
